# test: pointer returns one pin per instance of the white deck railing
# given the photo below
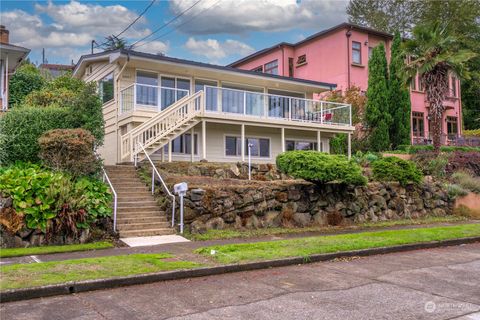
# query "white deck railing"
(241, 103)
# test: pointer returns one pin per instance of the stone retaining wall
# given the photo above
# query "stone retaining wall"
(299, 203)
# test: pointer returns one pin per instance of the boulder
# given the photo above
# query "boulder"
(215, 223)
(302, 219)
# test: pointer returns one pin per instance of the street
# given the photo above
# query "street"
(441, 283)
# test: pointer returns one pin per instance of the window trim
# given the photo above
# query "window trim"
(448, 120)
(258, 69)
(234, 135)
(295, 140)
(301, 63)
(453, 88)
(359, 51)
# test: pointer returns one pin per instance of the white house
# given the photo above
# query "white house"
(162, 106)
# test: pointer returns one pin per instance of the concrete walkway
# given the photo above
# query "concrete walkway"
(442, 283)
(184, 250)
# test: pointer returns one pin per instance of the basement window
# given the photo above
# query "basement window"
(260, 147)
(301, 60)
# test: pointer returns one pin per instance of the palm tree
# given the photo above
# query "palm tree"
(113, 42)
(433, 53)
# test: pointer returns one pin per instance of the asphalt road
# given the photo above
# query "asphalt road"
(439, 283)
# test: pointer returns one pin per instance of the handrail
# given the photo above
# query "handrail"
(155, 171)
(115, 198)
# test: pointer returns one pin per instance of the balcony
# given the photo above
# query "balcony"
(239, 103)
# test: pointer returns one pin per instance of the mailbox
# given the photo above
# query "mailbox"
(180, 188)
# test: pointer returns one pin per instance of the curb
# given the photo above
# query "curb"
(99, 284)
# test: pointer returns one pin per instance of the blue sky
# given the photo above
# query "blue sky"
(215, 31)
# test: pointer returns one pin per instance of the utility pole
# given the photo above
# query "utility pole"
(43, 55)
(93, 42)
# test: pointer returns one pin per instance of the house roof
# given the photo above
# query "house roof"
(52, 66)
(312, 37)
(107, 55)
(14, 54)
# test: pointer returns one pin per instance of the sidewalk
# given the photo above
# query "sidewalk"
(184, 250)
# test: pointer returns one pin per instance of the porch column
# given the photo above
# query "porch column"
(319, 141)
(204, 140)
(349, 146)
(219, 96)
(192, 142)
(242, 138)
(283, 139)
(169, 150)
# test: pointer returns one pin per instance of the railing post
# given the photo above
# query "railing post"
(289, 108)
(321, 112)
(134, 96)
(244, 102)
(153, 181)
(159, 99)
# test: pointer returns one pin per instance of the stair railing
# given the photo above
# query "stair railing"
(164, 185)
(115, 198)
(162, 124)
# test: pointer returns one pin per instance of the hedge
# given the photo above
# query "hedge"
(320, 167)
(396, 169)
(21, 127)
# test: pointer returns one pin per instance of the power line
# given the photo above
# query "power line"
(166, 24)
(177, 26)
(131, 24)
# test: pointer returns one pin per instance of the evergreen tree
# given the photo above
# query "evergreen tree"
(398, 97)
(377, 115)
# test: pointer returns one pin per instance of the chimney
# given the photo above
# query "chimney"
(4, 35)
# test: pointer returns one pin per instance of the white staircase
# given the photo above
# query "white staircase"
(163, 127)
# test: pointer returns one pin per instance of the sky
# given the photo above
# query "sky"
(213, 31)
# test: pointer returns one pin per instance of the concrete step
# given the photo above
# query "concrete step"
(131, 184)
(122, 189)
(135, 179)
(135, 197)
(140, 219)
(143, 226)
(131, 210)
(146, 233)
(136, 204)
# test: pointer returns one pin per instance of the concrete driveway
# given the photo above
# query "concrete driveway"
(439, 283)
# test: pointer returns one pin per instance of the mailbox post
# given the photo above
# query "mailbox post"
(181, 189)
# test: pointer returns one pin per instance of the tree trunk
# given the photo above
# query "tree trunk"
(435, 83)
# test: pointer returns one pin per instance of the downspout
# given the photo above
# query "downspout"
(348, 34)
(117, 81)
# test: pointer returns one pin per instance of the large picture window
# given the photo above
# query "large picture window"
(259, 147)
(454, 87)
(291, 145)
(105, 88)
(183, 144)
(271, 67)
(356, 52)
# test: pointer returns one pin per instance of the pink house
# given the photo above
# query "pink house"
(340, 55)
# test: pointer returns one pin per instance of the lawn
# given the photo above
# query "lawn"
(255, 233)
(16, 252)
(304, 247)
(46, 273)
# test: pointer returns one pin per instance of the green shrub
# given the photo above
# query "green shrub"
(365, 158)
(396, 169)
(70, 150)
(26, 79)
(44, 197)
(339, 144)
(320, 167)
(455, 190)
(20, 129)
(422, 148)
(472, 133)
(467, 181)
(437, 166)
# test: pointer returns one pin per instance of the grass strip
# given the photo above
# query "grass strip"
(17, 252)
(231, 233)
(46, 273)
(304, 247)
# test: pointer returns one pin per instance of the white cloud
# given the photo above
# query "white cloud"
(71, 27)
(240, 16)
(155, 47)
(214, 50)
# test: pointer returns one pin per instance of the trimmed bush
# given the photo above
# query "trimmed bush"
(69, 150)
(396, 169)
(52, 201)
(320, 167)
(466, 181)
(20, 129)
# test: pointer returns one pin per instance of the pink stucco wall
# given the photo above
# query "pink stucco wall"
(329, 60)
